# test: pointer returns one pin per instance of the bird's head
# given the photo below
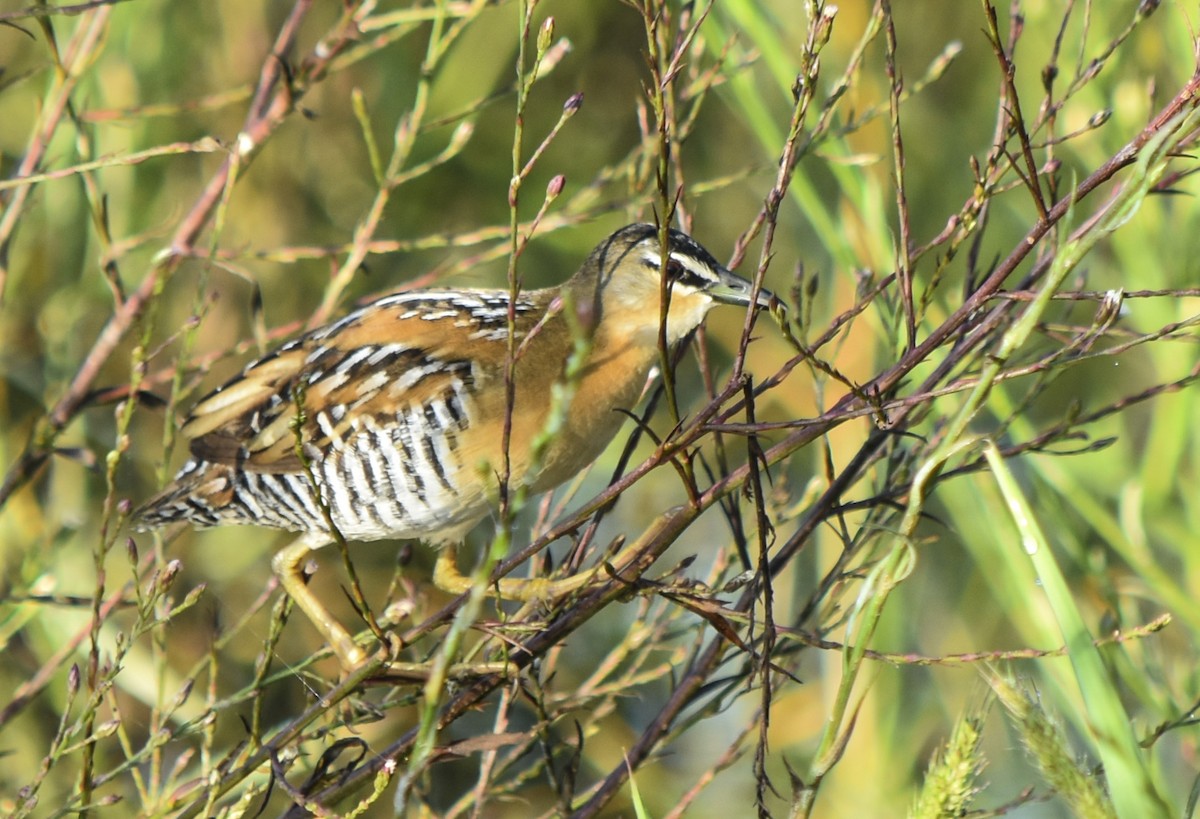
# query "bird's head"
(622, 281)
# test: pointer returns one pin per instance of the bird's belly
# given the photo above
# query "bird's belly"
(390, 484)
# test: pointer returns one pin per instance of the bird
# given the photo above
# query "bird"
(388, 423)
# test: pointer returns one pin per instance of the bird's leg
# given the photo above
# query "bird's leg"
(289, 567)
(448, 578)
(288, 564)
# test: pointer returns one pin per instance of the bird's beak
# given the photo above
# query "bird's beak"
(731, 288)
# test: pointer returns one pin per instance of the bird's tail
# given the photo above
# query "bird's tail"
(197, 494)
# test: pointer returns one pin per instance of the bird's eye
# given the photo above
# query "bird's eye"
(678, 272)
(682, 274)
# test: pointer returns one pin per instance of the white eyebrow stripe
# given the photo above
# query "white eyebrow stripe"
(699, 268)
(689, 263)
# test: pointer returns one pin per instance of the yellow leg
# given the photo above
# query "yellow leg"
(289, 566)
(448, 578)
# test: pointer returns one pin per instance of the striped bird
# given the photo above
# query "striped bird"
(388, 423)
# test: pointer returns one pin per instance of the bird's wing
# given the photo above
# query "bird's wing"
(372, 366)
